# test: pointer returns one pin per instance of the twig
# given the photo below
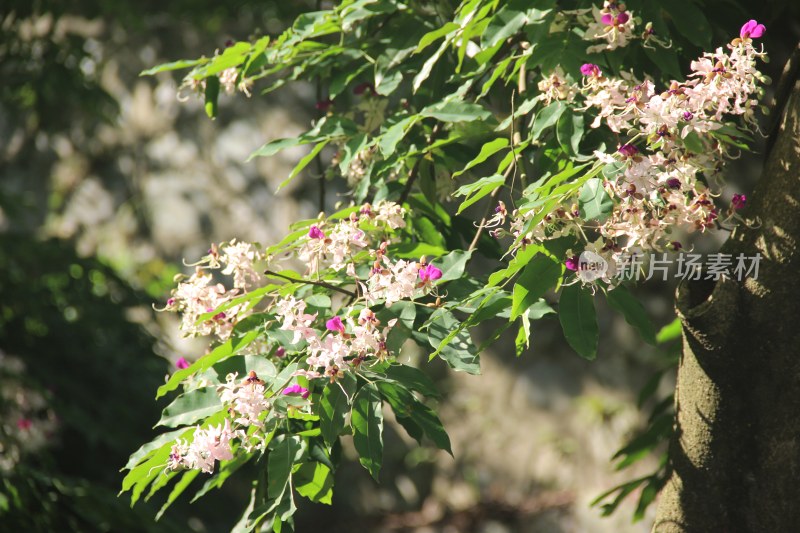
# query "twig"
(516, 138)
(310, 282)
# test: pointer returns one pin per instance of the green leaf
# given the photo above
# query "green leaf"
(622, 301)
(190, 407)
(395, 133)
(593, 201)
(487, 150)
(453, 264)
(541, 274)
(547, 118)
(315, 482)
(413, 379)
(578, 320)
(284, 452)
(219, 353)
(669, 332)
(405, 406)
(435, 35)
(455, 111)
(478, 189)
(303, 163)
(523, 340)
(690, 22)
(211, 96)
(569, 131)
(333, 408)
(457, 350)
(366, 419)
(693, 142)
(175, 65)
(177, 490)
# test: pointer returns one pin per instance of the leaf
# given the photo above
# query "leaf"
(478, 189)
(211, 96)
(453, 264)
(219, 353)
(388, 141)
(366, 419)
(593, 201)
(541, 274)
(455, 111)
(457, 349)
(315, 482)
(690, 22)
(413, 379)
(177, 490)
(303, 163)
(175, 65)
(578, 320)
(285, 451)
(405, 406)
(622, 301)
(523, 340)
(487, 150)
(144, 450)
(435, 35)
(427, 67)
(333, 408)
(569, 131)
(669, 332)
(693, 142)
(190, 407)
(547, 118)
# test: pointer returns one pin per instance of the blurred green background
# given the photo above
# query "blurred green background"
(107, 182)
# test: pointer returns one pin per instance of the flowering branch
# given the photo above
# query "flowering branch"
(310, 282)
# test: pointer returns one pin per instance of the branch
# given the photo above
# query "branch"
(310, 282)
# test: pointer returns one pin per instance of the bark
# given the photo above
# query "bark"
(735, 455)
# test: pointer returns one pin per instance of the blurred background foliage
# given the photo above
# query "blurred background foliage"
(107, 182)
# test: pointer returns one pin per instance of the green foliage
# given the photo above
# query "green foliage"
(426, 102)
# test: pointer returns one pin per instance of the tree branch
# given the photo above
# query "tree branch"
(310, 282)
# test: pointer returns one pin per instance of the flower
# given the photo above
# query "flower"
(429, 273)
(296, 389)
(24, 423)
(572, 263)
(280, 352)
(739, 200)
(628, 150)
(335, 324)
(181, 363)
(752, 30)
(315, 233)
(324, 105)
(590, 69)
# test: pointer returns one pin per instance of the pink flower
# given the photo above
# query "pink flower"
(622, 18)
(628, 150)
(607, 19)
(335, 324)
(315, 233)
(296, 389)
(280, 352)
(590, 69)
(752, 30)
(429, 273)
(24, 423)
(181, 363)
(738, 201)
(572, 263)
(364, 88)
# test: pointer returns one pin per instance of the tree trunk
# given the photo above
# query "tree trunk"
(735, 455)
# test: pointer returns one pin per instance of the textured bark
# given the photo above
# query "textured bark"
(735, 456)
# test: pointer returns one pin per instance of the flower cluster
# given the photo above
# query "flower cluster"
(208, 446)
(198, 297)
(613, 24)
(657, 179)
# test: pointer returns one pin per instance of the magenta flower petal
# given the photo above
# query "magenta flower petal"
(738, 201)
(622, 18)
(628, 150)
(572, 263)
(181, 363)
(590, 69)
(315, 233)
(752, 29)
(335, 324)
(280, 352)
(429, 273)
(607, 19)
(296, 389)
